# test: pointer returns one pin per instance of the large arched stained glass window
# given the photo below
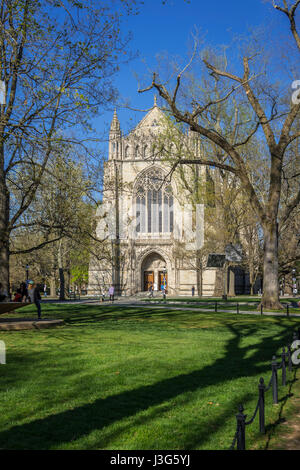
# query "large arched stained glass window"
(154, 203)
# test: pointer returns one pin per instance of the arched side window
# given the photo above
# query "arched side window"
(127, 151)
(136, 153)
(145, 151)
(154, 203)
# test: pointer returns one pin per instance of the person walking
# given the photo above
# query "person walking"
(45, 290)
(151, 290)
(3, 293)
(163, 289)
(193, 291)
(24, 291)
(111, 292)
(35, 296)
(30, 290)
(37, 300)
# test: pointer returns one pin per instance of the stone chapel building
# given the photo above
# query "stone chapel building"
(143, 219)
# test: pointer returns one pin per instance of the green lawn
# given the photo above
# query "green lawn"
(128, 378)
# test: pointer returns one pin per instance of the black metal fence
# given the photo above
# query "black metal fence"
(239, 440)
(218, 305)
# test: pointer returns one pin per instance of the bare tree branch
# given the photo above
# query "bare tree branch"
(291, 16)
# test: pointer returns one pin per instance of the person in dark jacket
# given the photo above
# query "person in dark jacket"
(3, 293)
(24, 291)
(35, 296)
(37, 299)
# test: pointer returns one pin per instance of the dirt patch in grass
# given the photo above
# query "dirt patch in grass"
(290, 429)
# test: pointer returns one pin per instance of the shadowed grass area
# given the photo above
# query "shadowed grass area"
(128, 378)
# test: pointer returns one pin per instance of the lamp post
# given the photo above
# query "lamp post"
(27, 272)
(225, 268)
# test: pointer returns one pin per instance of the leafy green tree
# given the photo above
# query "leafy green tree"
(57, 62)
(274, 118)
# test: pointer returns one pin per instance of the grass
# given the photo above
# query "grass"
(126, 378)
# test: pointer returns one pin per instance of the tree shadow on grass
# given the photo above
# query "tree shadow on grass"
(191, 436)
(96, 314)
(66, 426)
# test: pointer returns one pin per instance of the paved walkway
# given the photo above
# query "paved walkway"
(174, 306)
(28, 323)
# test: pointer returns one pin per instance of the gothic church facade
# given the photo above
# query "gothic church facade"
(144, 219)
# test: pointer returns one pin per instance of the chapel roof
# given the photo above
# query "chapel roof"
(151, 121)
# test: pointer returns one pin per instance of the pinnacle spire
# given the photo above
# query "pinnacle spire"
(115, 124)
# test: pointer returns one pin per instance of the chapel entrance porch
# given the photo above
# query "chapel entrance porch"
(154, 272)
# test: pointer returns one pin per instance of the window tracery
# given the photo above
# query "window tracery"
(154, 203)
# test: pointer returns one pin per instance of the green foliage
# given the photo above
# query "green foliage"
(79, 274)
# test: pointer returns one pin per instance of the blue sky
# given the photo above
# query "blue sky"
(168, 27)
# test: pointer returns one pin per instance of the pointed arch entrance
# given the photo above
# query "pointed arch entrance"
(154, 271)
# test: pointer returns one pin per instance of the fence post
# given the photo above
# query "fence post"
(261, 309)
(237, 308)
(274, 380)
(283, 356)
(261, 407)
(290, 364)
(216, 307)
(287, 310)
(241, 439)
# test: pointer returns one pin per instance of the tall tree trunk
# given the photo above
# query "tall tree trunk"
(61, 284)
(270, 298)
(251, 276)
(231, 273)
(61, 272)
(251, 285)
(225, 279)
(52, 286)
(68, 275)
(4, 230)
(199, 273)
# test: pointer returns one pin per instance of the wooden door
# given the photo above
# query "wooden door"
(148, 279)
(161, 277)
